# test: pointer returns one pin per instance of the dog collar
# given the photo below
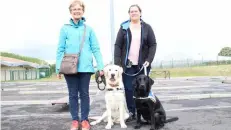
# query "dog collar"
(151, 96)
(111, 89)
(141, 97)
(114, 85)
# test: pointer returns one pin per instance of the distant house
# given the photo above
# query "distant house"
(14, 69)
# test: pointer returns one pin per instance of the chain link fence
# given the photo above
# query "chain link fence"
(188, 63)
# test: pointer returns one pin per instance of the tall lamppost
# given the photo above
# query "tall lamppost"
(112, 28)
(201, 57)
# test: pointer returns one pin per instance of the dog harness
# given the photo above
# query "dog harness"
(150, 96)
(111, 89)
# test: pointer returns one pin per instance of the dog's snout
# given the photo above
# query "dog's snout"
(112, 75)
(142, 87)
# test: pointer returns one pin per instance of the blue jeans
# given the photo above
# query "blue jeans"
(127, 80)
(78, 84)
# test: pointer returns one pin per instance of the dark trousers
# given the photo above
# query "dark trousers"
(127, 80)
(78, 84)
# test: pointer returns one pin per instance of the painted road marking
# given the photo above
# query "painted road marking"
(50, 92)
(68, 114)
(96, 90)
(18, 89)
(162, 98)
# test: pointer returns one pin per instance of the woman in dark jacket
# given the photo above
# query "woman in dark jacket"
(135, 47)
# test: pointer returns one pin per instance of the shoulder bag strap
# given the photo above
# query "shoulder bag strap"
(83, 39)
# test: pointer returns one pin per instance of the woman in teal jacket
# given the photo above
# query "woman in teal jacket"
(69, 42)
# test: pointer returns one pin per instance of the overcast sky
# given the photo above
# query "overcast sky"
(183, 28)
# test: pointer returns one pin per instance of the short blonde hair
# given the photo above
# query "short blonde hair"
(75, 2)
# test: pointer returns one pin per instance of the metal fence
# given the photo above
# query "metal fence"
(188, 63)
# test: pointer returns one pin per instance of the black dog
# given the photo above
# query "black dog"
(150, 109)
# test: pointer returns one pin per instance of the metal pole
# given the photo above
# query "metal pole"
(112, 28)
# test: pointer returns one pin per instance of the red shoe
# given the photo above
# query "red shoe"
(85, 125)
(75, 125)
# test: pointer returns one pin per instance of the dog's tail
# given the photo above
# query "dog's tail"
(171, 119)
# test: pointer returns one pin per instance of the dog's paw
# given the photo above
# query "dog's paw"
(123, 126)
(137, 127)
(93, 123)
(126, 116)
(108, 126)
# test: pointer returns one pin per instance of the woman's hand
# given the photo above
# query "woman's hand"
(101, 73)
(59, 76)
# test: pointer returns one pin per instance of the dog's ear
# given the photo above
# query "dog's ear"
(134, 83)
(150, 81)
(134, 86)
(121, 70)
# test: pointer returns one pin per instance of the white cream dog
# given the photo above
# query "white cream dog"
(116, 107)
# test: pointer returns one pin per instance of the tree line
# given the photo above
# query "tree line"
(226, 51)
(24, 58)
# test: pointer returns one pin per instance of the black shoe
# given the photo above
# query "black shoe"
(131, 117)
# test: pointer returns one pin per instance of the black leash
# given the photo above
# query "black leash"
(100, 79)
(143, 67)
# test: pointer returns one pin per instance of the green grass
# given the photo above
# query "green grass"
(219, 70)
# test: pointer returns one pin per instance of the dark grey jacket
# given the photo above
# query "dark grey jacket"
(123, 42)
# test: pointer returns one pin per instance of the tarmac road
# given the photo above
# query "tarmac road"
(26, 106)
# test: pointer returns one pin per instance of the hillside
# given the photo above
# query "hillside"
(24, 58)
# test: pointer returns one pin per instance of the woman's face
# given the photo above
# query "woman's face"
(77, 11)
(134, 13)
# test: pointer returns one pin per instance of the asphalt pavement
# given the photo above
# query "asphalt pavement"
(201, 103)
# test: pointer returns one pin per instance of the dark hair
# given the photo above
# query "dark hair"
(135, 5)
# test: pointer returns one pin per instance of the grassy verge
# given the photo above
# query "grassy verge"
(219, 70)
